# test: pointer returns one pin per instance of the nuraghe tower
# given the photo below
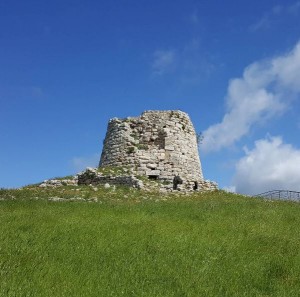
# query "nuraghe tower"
(159, 145)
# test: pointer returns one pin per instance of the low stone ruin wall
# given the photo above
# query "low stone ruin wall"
(59, 182)
(92, 177)
(207, 185)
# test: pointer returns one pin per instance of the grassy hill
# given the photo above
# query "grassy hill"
(122, 242)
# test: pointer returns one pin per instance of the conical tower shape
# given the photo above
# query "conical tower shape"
(159, 145)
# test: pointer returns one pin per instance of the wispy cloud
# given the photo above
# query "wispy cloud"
(277, 12)
(263, 23)
(258, 95)
(270, 165)
(188, 64)
(80, 163)
(164, 61)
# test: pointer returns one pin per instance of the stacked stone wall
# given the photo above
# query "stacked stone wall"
(92, 176)
(157, 144)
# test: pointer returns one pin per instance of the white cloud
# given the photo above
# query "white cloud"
(270, 165)
(164, 61)
(261, 93)
(80, 163)
(287, 69)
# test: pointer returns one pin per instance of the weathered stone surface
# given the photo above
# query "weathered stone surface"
(153, 173)
(157, 144)
(92, 176)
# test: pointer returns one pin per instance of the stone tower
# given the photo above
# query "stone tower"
(159, 145)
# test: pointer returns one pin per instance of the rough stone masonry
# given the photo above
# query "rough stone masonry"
(158, 145)
(157, 150)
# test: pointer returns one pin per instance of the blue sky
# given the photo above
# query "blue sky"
(66, 67)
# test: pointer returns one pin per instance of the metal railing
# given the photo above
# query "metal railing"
(280, 194)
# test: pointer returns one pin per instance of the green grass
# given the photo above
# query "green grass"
(133, 243)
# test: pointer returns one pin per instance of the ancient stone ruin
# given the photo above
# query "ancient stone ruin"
(158, 145)
(155, 151)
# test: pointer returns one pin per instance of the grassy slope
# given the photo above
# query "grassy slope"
(207, 245)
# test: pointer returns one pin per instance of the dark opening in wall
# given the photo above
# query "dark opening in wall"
(195, 187)
(160, 141)
(177, 181)
(153, 177)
